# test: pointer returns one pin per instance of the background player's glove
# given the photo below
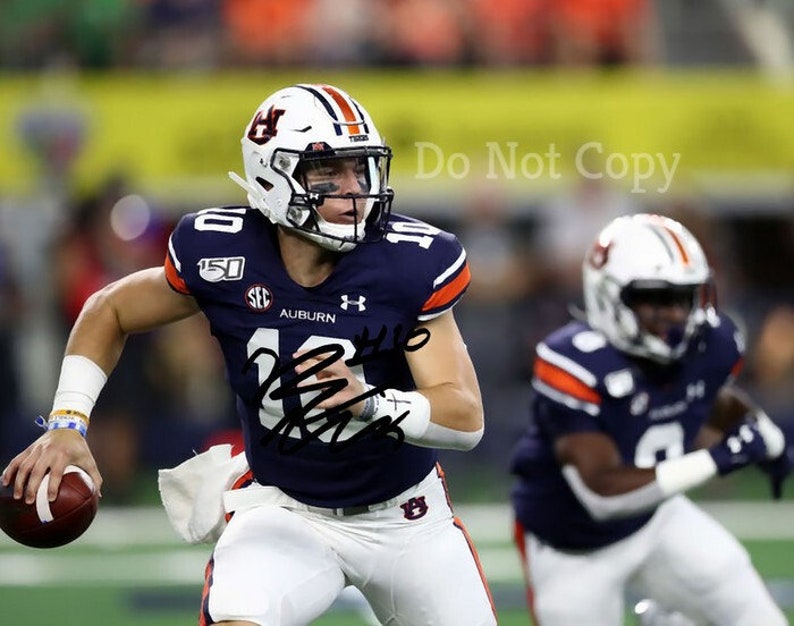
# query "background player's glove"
(741, 446)
(778, 470)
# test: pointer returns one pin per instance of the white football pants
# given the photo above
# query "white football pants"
(281, 563)
(682, 558)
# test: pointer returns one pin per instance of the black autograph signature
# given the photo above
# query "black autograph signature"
(337, 418)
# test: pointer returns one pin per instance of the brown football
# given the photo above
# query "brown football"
(46, 524)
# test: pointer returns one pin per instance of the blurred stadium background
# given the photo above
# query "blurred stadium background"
(120, 115)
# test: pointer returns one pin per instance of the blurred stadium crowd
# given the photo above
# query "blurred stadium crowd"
(169, 396)
(212, 33)
(198, 34)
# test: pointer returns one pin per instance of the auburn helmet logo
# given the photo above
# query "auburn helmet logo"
(599, 254)
(263, 128)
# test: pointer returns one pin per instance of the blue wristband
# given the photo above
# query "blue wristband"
(68, 423)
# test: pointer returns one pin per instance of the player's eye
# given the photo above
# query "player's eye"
(324, 187)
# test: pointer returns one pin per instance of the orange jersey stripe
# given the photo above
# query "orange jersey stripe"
(344, 105)
(561, 380)
(173, 277)
(450, 291)
(737, 367)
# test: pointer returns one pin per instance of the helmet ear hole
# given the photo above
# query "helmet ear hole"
(266, 185)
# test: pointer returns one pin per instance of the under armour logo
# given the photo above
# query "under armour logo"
(347, 302)
(414, 508)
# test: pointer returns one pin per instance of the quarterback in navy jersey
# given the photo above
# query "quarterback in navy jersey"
(630, 409)
(335, 321)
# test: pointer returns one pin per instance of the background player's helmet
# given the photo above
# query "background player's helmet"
(644, 252)
(300, 127)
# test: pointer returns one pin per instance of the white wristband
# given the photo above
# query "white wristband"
(79, 385)
(410, 407)
(411, 411)
(773, 437)
(682, 473)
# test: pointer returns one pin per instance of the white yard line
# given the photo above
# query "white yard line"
(103, 556)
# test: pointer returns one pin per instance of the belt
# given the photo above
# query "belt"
(352, 510)
(255, 495)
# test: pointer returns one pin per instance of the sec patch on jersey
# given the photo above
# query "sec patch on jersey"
(45, 524)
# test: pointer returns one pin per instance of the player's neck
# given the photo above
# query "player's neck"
(307, 263)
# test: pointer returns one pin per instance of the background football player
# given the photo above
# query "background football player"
(335, 320)
(632, 408)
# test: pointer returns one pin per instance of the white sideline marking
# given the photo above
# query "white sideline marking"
(172, 562)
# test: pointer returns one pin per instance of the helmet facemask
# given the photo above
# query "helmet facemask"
(316, 178)
(651, 331)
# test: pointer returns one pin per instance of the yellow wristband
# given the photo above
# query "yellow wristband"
(69, 413)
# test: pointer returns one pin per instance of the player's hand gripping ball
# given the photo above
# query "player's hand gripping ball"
(45, 524)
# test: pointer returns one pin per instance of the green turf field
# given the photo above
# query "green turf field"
(130, 570)
(112, 606)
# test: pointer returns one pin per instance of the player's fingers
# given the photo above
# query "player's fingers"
(90, 467)
(24, 462)
(29, 478)
(56, 474)
(313, 363)
(97, 478)
(9, 472)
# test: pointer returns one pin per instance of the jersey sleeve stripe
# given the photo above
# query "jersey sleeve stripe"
(566, 400)
(565, 383)
(737, 368)
(449, 293)
(442, 278)
(172, 253)
(176, 282)
(569, 365)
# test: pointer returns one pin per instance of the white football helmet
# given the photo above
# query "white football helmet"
(645, 252)
(303, 126)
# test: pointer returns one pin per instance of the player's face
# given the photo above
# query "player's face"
(662, 312)
(339, 177)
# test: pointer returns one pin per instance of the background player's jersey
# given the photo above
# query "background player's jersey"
(366, 310)
(581, 383)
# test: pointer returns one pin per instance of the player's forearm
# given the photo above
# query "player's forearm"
(455, 407)
(637, 493)
(431, 418)
(92, 351)
(624, 491)
(97, 334)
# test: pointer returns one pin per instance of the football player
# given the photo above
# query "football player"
(631, 408)
(335, 320)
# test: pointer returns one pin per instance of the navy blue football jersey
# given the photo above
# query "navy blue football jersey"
(583, 384)
(365, 312)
